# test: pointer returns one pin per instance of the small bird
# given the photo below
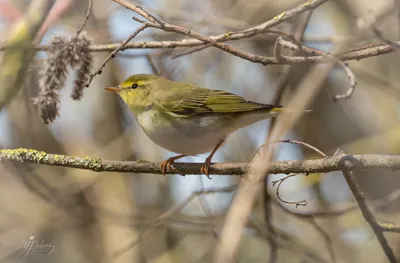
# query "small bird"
(187, 119)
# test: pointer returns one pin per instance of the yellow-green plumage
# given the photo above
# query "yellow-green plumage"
(185, 118)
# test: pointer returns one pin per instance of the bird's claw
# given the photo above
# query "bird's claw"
(166, 165)
(205, 168)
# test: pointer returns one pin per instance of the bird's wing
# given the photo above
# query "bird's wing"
(201, 101)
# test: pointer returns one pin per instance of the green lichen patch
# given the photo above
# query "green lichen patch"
(22, 154)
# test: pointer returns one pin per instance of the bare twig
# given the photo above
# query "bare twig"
(262, 28)
(377, 204)
(346, 160)
(280, 42)
(115, 51)
(89, 10)
(304, 144)
(279, 183)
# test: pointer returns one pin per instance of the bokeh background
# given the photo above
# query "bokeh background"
(112, 217)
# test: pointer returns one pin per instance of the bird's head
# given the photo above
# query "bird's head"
(135, 89)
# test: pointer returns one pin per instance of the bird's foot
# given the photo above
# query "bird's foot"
(166, 165)
(206, 167)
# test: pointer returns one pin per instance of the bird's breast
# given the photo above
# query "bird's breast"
(148, 120)
(183, 135)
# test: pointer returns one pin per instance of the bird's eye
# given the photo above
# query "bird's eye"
(134, 86)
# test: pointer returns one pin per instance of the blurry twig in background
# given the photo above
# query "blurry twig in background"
(287, 71)
(326, 237)
(370, 23)
(160, 220)
(59, 8)
(378, 205)
(153, 66)
(15, 62)
(9, 12)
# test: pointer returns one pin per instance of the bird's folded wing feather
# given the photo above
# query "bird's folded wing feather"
(205, 102)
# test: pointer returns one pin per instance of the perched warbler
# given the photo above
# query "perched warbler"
(187, 119)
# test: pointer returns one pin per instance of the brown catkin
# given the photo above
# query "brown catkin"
(52, 78)
(64, 53)
(86, 62)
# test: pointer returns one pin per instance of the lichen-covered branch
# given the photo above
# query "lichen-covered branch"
(366, 161)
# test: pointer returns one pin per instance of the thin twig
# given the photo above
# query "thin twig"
(115, 51)
(304, 144)
(280, 42)
(377, 204)
(327, 238)
(89, 10)
(279, 182)
(261, 28)
(346, 160)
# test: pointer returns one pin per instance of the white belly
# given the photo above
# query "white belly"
(186, 137)
(192, 135)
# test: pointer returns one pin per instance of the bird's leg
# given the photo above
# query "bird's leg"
(206, 166)
(166, 165)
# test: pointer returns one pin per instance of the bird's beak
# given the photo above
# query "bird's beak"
(115, 89)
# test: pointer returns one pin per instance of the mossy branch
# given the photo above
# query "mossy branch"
(329, 164)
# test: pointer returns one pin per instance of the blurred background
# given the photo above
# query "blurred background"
(113, 217)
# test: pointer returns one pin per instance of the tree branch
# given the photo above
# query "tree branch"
(362, 203)
(364, 52)
(329, 164)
